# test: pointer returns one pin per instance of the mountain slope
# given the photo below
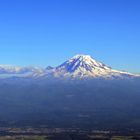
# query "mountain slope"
(80, 66)
(84, 66)
(16, 71)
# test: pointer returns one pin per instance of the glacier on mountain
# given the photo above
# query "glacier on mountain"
(80, 66)
(84, 66)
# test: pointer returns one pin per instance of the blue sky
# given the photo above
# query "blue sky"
(47, 32)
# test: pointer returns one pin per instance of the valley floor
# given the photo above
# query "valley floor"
(67, 137)
(64, 134)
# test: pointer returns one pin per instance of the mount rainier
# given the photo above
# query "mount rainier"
(80, 66)
(79, 93)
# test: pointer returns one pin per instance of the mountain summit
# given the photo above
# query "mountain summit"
(80, 66)
(84, 66)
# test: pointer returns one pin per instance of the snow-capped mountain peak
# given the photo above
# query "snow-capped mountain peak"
(87, 62)
(81, 66)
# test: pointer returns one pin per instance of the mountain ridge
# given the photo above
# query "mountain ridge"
(84, 66)
(79, 66)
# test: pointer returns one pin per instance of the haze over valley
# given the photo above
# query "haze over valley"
(80, 93)
(69, 70)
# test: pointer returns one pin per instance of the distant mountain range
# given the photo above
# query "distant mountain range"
(80, 66)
